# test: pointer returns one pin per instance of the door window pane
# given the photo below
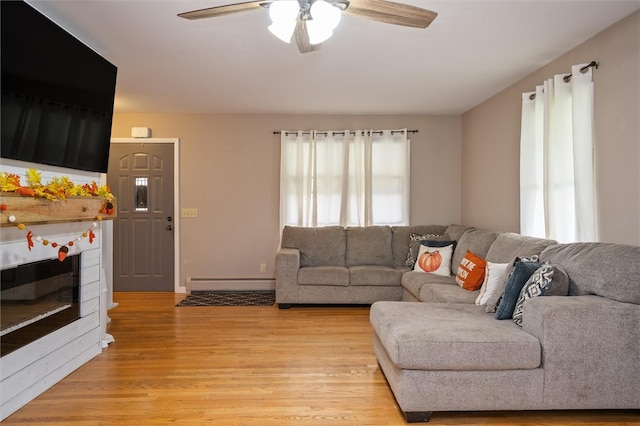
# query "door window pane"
(141, 194)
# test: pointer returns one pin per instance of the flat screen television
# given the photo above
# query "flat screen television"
(57, 93)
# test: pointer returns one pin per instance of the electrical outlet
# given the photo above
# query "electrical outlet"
(189, 212)
(263, 268)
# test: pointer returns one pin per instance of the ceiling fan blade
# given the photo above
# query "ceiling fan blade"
(302, 37)
(392, 13)
(210, 12)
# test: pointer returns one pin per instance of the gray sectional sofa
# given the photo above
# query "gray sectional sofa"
(578, 347)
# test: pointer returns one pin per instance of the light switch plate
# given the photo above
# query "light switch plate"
(189, 212)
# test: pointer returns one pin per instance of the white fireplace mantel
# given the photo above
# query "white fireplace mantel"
(27, 372)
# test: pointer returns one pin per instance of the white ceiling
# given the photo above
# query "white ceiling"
(232, 64)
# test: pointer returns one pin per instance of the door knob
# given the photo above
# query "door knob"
(169, 228)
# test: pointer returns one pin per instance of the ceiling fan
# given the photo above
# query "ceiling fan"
(298, 16)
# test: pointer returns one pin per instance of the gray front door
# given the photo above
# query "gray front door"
(141, 177)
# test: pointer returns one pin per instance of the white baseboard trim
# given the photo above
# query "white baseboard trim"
(230, 284)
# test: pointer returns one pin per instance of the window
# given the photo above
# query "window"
(348, 178)
(557, 195)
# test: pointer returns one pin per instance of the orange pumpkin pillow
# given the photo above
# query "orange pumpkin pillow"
(471, 271)
(436, 260)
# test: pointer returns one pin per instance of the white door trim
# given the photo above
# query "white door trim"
(176, 200)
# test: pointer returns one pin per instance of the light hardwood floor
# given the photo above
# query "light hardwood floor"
(245, 366)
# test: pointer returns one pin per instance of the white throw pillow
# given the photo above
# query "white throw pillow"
(495, 277)
(436, 260)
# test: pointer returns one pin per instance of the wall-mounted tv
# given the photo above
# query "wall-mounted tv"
(57, 93)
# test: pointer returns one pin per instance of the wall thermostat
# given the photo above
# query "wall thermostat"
(140, 132)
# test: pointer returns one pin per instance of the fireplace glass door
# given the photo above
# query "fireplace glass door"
(36, 299)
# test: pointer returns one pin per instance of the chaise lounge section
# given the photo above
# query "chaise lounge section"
(579, 351)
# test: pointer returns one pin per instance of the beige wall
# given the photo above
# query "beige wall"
(229, 171)
(491, 137)
(463, 169)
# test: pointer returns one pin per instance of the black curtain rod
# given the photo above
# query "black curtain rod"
(567, 78)
(583, 69)
(378, 132)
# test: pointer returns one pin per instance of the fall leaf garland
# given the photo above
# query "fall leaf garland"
(57, 189)
(63, 249)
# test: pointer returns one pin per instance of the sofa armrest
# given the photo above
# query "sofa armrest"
(590, 350)
(287, 265)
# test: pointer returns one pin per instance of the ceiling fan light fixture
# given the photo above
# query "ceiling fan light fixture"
(325, 17)
(283, 16)
(313, 21)
(284, 30)
(326, 13)
(317, 33)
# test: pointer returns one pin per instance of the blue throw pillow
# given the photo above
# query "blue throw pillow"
(519, 276)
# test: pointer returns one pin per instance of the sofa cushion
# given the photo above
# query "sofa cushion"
(445, 293)
(400, 239)
(439, 336)
(323, 275)
(413, 281)
(456, 231)
(474, 240)
(375, 275)
(369, 245)
(508, 245)
(604, 269)
(323, 246)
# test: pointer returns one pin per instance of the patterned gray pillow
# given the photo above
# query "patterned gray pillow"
(537, 285)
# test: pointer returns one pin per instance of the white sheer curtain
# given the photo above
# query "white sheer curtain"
(348, 178)
(557, 190)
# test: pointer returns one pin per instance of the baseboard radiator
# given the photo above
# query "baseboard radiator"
(229, 284)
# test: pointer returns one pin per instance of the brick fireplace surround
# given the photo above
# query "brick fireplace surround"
(30, 370)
